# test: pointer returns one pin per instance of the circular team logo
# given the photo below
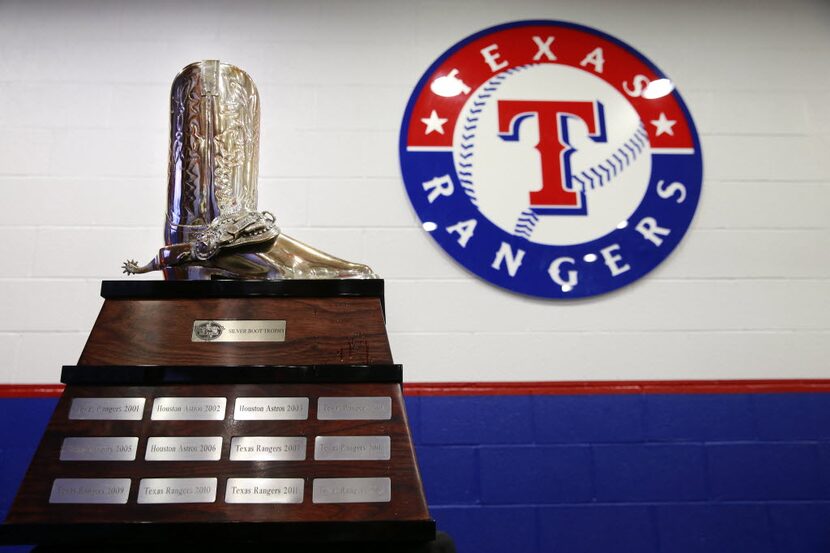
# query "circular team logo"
(551, 159)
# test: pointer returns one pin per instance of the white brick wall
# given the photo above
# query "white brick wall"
(83, 103)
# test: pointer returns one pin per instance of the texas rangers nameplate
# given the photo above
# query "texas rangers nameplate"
(107, 408)
(268, 448)
(264, 490)
(177, 490)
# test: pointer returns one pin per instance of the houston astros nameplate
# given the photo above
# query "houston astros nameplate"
(165, 448)
(270, 408)
(189, 408)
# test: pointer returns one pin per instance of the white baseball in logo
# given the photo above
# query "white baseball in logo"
(499, 173)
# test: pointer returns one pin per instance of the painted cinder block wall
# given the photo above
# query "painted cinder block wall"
(84, 93)
(631, 469)
(83, 102)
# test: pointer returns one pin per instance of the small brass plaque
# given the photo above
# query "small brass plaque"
(228, 330)
(264, 490)
(268, 448)
(90, 490)
(107, 408)
(177, 490)
(99, 449)
(270, 408)
(354, 408)
(352, 490)
(164, 448)
(352, 448)
(189, 409)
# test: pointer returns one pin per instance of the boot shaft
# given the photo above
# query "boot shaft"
(214, 147)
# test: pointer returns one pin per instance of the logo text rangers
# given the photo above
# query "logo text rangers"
(551, 159)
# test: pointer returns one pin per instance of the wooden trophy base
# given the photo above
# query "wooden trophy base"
(229, 412)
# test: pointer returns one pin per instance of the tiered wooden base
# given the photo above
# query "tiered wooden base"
(300, 441)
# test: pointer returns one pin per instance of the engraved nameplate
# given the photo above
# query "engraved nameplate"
(351, 490)
(90, 490)
(208, 448)
(177, 490)
(354, 408)
(267, 448)
(270, 408)
(107, 408)
(264, 490)
(99, 449)
(352, 448)
(226, 330)
(189, 409)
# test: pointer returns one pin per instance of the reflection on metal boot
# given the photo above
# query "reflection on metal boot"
(213, 228)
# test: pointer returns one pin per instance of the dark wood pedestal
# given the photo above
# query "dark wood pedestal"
(222, 413)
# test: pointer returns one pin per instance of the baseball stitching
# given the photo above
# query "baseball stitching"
(597, 176)
(465, 165)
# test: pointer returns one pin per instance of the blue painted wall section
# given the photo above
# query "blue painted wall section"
(647, 473)
(595, 473)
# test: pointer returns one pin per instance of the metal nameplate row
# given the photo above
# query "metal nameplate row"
(99, 449)
(352, 448)
(243, 448)
(264, 490)
(227, 330)
(268, 448)
(107, 408)
(207, 448)
(203, 490)
(189, 409)
(270, 408)
(245, 408)
(177, 490)
(354, 408)
(90, 490)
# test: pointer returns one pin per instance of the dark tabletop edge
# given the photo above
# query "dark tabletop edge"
(116, 375)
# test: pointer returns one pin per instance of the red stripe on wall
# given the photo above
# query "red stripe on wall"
(30, 390)
(541, 388)
(617, 387)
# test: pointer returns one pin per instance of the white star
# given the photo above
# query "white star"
(663, 125)
(434, 123)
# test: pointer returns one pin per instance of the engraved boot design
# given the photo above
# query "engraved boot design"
(213, 228)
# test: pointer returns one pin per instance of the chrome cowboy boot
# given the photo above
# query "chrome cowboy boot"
(213, 227)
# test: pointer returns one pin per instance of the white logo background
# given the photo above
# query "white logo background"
(500, 174)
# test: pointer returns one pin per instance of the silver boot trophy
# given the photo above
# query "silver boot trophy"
(213, 227)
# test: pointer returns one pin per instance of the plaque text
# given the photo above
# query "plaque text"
(189, 408)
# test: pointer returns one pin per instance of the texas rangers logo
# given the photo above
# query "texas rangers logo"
(551, 159)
